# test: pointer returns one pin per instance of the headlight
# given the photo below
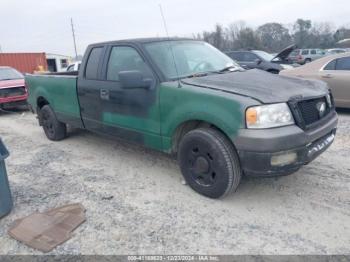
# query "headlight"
(268, 116)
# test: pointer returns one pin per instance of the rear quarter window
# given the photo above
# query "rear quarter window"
(305, 52)
(91, 70)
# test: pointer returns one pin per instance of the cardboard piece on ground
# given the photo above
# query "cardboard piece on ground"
(45, 231)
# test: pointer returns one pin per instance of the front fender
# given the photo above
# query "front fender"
(180, 105)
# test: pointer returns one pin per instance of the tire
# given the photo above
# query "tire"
(209, 163)
(308, 60)
(273, 71)
(54, 129)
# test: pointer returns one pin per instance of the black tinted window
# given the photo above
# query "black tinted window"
(343, 63)
(124, 58)
(236, 56)
(92, 64)
(305, 52)
(249, 57)
(330, 65)
(313, 52)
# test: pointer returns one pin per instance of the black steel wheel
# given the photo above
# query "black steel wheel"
(209, 162)
(54, 129)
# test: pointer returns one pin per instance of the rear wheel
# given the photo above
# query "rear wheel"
(209, 163)
(307, 60)
(54, 129)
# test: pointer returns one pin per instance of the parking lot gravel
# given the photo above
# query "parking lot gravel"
(136, 201)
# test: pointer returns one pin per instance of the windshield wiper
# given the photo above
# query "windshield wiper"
(197, 75)
(230, 68)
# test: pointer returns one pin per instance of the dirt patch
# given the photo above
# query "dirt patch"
(136, 202)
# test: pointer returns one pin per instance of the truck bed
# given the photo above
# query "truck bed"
(65, 102)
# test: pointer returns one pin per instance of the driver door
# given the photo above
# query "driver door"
(249, 60)
(128, 113)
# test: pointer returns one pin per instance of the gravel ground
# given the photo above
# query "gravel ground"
(136, 202)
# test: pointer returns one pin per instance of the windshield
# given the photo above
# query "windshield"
(191, 58)
(264, 55)
(9, 74)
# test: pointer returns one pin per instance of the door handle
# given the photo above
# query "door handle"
(327, 76)
(104, 94)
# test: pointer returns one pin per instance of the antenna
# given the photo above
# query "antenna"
(170, 45)
(75, 44)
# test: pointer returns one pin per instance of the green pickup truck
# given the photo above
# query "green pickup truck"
(186, 98)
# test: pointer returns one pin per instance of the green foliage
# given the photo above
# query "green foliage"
(273, 37)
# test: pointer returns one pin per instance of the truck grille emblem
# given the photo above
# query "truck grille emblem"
(321, 107)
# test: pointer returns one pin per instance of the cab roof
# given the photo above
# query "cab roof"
(146, 40)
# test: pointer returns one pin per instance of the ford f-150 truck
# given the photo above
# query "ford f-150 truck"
(186, 98)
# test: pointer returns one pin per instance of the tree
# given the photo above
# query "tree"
(274, 37)
(301, 32)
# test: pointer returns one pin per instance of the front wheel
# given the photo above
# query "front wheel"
(209, 163)
(54, 129)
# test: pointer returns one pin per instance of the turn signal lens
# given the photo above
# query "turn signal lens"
(251, 116)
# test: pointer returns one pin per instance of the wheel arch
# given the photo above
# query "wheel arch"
(41, 101)
(183, 128)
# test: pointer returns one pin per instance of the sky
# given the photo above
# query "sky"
(44, 25)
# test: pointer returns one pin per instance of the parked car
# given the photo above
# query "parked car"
(304, 56)
(12, 89)
(335, 51)
(186, 98)
(74, 67)
(262, 60)
(335, 70)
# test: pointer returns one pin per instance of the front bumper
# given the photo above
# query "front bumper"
(13, 101)
(257, 149)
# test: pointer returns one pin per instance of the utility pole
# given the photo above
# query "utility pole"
(75, 44)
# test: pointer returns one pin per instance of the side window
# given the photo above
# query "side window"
(313, 52)
(124, 58)
(330, 65)
(92, 63)
(236, 56)
(343, 63)
(305, 52)
(249, 57)
(64, 63)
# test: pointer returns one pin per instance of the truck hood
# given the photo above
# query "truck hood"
(11, 83)
(285, 52)
(260, 85)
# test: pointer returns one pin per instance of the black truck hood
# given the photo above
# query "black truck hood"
(283, 55)
(260, 85)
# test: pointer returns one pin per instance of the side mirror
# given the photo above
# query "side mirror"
(258, 61)
(134, 79)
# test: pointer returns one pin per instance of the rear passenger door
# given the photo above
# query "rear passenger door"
(337, 74)
(89, 85)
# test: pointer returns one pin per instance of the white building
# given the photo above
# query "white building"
(58, 63)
